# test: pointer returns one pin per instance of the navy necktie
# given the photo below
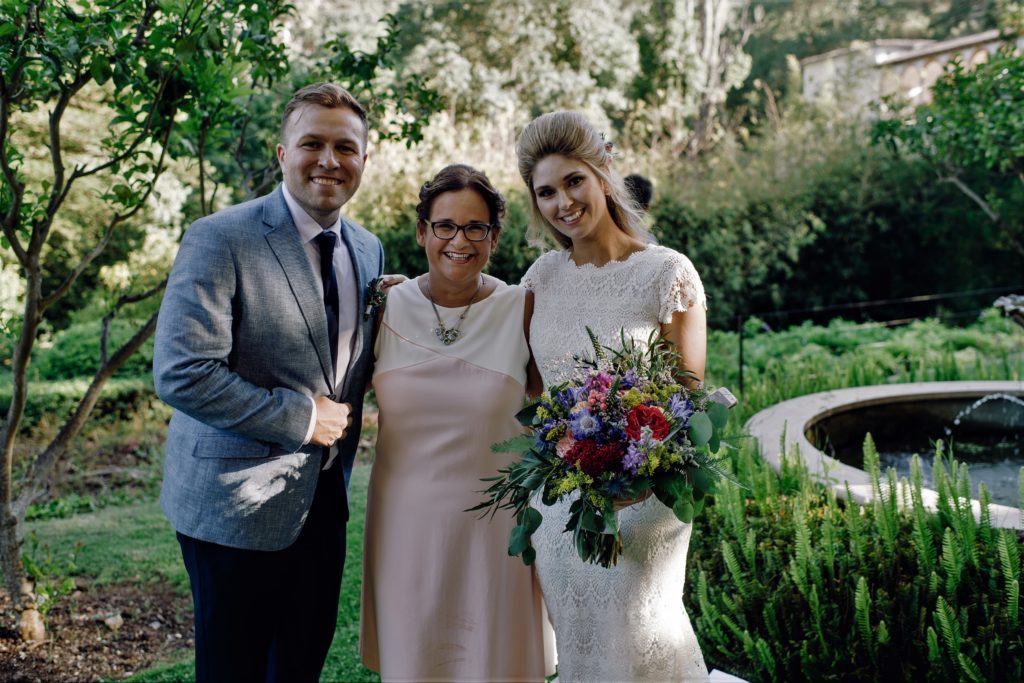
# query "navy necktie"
(326, 241)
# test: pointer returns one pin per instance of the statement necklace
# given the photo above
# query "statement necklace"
(448, 335)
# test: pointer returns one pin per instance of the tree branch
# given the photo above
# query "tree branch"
(11, 219)
(64, 286)
(60, 189)
(144, 133)
(988, 210)
(32, 484)
(123, 301)
(144, 20)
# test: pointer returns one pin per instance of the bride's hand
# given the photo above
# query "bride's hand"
(626, 502)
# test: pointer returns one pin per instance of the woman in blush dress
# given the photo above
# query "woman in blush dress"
(442, 600)
(625, 622)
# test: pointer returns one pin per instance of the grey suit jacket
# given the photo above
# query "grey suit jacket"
(241, 344)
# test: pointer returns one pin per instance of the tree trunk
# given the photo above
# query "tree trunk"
(10, 524)
(10, 555)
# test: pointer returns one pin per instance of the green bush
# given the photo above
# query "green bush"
(119, 399)
(780, 228)
(75, 352)
(788, 583)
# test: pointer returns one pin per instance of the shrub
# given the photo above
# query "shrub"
(788, 583)
(119, 399)
(76, 352)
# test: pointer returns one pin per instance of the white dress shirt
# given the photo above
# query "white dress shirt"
(309, 229)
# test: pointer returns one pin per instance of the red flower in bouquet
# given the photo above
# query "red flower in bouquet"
(596, 459)
(646, 416)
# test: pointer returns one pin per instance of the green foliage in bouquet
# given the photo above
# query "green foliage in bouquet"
(627, 426)
(793, 584)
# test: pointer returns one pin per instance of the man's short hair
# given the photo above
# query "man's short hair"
(328, 95)
(640, 189)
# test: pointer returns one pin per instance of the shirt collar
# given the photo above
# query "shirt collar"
(304, 223)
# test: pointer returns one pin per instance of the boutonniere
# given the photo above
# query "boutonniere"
(375, 296)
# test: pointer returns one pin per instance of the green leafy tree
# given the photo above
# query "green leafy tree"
(972, 136)
(165, 75)
(193, 84)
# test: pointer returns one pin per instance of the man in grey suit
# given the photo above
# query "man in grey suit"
(263, 350)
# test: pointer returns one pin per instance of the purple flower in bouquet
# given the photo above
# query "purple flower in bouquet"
(584, 424)
(569, 397)
(638, 451)
(628, 379)
(634, 457)
(681, 408)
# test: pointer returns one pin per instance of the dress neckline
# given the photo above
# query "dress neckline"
(416, 286)
(586, 266)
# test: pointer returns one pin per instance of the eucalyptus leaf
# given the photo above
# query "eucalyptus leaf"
(670, 487)
(715, 442)
(591, 520)
(684, 509)
(703, 480)
(529, 556)
(701, 429)
(528, 412)
(718, 413)
(518, 540)
(530, 519)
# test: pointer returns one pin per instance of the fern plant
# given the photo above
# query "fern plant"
(793, 584)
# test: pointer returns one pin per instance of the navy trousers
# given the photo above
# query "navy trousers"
(270, 616)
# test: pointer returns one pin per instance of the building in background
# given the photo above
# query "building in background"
(865, 72)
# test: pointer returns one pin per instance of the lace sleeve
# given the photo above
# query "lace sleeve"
(539, 270)
(679, 287)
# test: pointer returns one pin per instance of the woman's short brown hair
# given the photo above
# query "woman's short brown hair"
(457, 177)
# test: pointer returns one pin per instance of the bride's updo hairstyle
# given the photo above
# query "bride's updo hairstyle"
(571, 135)
(457, 177)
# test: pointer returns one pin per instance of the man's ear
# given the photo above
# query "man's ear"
(280, 154)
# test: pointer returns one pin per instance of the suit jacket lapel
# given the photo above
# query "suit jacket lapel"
(283, 238)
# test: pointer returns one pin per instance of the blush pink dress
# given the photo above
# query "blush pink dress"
(441, 598)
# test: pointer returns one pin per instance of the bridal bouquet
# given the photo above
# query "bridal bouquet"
(624, 428)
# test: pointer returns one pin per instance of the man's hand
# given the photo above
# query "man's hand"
(332, 420)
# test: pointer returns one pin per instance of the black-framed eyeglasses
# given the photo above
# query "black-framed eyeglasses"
(474, 232)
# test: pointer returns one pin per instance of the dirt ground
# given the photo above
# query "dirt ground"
(87, 642)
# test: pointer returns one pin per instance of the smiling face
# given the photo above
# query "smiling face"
(457, 261)
(571, 197)
(322, 155)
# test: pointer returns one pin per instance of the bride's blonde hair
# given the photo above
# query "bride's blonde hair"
(571, 135)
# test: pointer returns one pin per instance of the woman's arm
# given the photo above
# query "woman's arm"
(688, 333)
(534, 383)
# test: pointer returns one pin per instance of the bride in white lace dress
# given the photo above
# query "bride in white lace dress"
(626, 622)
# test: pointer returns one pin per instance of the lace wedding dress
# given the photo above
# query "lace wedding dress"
(626, 622)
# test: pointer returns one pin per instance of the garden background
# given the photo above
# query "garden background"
(120, 123)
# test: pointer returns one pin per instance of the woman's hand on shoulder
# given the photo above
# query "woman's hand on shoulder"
(389, 281)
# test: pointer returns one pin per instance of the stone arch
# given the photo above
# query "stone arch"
(910, 83)
(931, 73)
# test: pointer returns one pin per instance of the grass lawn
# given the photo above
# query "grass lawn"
(136, 544)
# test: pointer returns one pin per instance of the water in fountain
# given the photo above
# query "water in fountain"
(1013, 400)
(989, 436)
